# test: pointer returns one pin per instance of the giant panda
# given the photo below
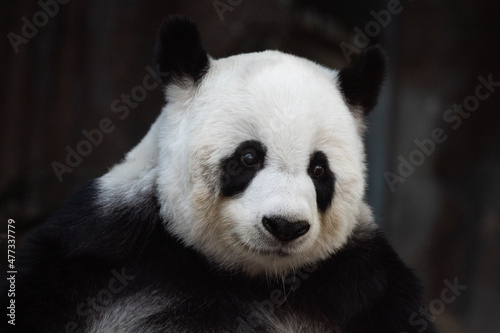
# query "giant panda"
(241, 210)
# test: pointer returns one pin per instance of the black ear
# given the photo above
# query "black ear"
(178, 51)
(361, 82)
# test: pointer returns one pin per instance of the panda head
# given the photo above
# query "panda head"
(260, 160)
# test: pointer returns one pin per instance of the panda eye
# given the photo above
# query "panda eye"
(249, 157)
(318, 171)
(318, 166)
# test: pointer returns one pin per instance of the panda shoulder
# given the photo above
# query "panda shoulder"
(83, 226)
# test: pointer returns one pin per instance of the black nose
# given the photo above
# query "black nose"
(283, 229)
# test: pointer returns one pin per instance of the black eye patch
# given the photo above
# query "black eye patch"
(323, 180)
(240, 168)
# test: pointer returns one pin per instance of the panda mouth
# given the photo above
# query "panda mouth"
(275, 250)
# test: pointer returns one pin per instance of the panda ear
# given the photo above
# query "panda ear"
(361, 82)
(178, 51)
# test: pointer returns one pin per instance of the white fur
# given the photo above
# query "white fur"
(129, 314)
(294, 107)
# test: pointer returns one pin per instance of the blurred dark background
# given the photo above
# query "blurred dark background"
(433, 144)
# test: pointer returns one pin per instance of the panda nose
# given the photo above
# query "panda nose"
(283, 229)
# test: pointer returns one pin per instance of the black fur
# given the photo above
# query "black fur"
(235, 175)
(178, 51)
(361, 83)
(364, 287)
(325, 184)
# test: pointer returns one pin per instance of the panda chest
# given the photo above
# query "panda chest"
(156, 312)
(283, 321)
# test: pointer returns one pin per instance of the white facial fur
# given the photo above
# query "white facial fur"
(294, 108)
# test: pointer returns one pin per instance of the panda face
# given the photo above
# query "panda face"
(262, 166)
(257, 159)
